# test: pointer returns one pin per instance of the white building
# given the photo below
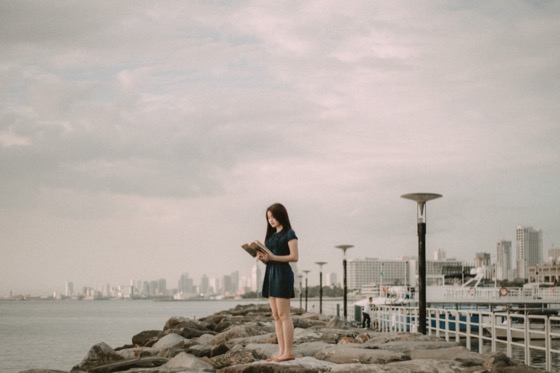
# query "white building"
(403, 271)
(529, 249)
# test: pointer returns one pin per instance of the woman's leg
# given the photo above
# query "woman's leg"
(277, 326)
(283, 309)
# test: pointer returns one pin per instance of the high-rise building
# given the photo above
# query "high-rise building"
(256, 278)
(504, 261)
(186, 284)
(69, 289)
(204, 285)
(528, 245)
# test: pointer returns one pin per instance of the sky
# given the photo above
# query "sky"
(143, 140)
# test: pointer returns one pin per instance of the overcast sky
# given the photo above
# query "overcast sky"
(141, 140)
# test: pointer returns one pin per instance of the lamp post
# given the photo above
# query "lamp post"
(421, 199)
(306, 271)
(300, 290)
(344, 248)
(320, 264)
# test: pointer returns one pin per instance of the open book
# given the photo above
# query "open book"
(254, 247)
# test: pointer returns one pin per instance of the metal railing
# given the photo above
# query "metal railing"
(498, 331)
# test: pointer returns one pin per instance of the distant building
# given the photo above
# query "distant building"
(69, 289)
(548, 272)
(439, 255)
(403, 271)
(482, 260)
(256, 278)
(185, 284)
(504, 270)
(204, 285)
(554, 253)
(528, 245)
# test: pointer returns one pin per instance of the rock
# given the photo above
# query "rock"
(418, 345)
(303, 365)
(234, 356)
(342, 354)
(138, 352)
(241, 339)
(499, 359)
(128, 365)
(98, 355)
(42, 371)
(218, 350)
(146, 338)
(460, 354)
(169, 341)
(184, 361)
(336, 323)
(238, 332)
(199, 350)
(309, 348)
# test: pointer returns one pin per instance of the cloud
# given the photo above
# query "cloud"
(164, 127)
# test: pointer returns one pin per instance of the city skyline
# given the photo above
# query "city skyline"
(502, 262)
(147, 139)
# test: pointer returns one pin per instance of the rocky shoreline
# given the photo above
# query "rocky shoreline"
(241, 339)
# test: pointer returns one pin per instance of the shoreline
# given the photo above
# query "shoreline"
(241, 338)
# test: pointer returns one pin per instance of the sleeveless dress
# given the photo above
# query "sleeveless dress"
(278, 276)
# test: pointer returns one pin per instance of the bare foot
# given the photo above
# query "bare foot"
(284, 358)
(274, 357)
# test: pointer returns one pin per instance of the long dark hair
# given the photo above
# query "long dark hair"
(279, 213)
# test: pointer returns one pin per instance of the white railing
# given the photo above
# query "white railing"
(497, 331)
(442, 294)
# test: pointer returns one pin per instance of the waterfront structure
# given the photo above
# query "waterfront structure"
(548, 272)
(528, 245)
(400, 272)
(504, 268)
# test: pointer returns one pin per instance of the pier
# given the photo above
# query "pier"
(524, 323)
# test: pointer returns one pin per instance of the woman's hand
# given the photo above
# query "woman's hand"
(263, 257)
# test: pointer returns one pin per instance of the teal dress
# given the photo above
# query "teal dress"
(278, 276)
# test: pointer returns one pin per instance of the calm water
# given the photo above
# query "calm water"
(58, 334)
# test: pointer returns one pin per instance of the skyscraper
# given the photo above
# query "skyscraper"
(529, 249)
(504, 268)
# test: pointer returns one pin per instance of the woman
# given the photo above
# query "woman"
(278, 284)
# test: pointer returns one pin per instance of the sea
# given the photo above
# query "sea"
(45, 334)
(58, 334)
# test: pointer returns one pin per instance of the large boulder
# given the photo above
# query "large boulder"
(171, 340)
(146, 338)
(186, 362)
(98, 355)
(239, 331)
(342, 354)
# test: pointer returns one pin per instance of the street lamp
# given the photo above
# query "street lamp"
(344, 248)
(320, 264)
(306, 271)
(300, 290)
(421, 199)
